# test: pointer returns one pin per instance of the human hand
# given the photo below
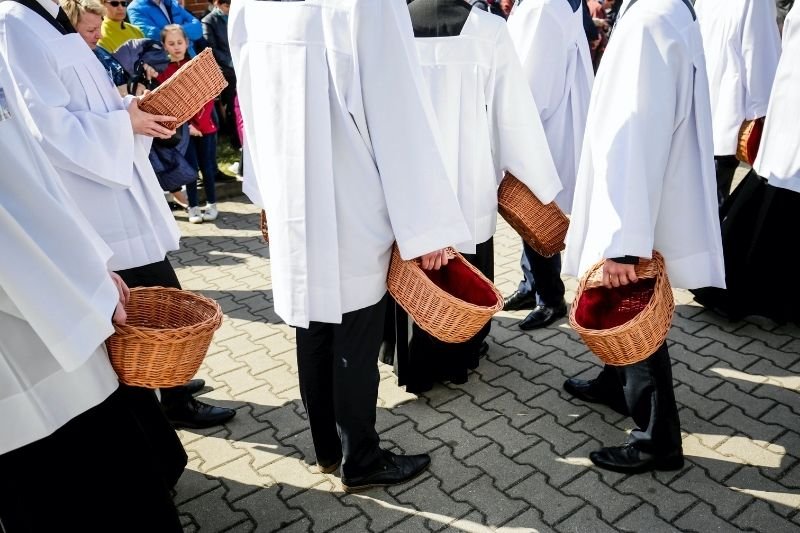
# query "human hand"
(150, 72)
(194, 132)
(144, 123)
(618, 274)
(434, 260)
(120, 316)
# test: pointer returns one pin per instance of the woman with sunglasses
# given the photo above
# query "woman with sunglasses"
(115, 31)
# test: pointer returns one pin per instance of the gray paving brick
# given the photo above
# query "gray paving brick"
(428, 497)
(494, 505)
(553, 504)
(701, 519)
(759, 515)
(734, 417)
(644, 518)
(690, 343)
(451, 472)
(212, 511)
(701, 403)
(422, 414)
(752, 405)
(461, 441)
(562, 440)
(477, 390)
(695, 360)
(380, 510)
(529, 521)
(770, 338)
(725, 503)
(517, 413)
(503, 471)
(782, 500)
(471, 414)
(670, 503)
(322, 507)
(778, 357)
(503, 432)
(714, 332)
(522, 389)
(609, 502)
(585, 521)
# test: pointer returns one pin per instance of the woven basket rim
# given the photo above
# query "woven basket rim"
(144, 331)
(414, 264)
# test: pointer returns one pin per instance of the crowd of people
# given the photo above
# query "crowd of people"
(388, 124)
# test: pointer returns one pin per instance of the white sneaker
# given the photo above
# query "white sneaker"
(195, 217)
(210, 212)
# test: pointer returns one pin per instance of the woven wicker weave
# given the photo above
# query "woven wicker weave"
(443, 315)
(749, 140)
(543, 227)
(264, 228)
(165, 339)
(187, 91)
(649, 302)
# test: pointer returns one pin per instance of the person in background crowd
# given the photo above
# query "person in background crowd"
(742, 46)
(202, 129)
(783, 7)
(485, 132)
(341, 180)
(72, 455)
(215, 31)
(760, 221)
(549, 38)
(115, 31)
(151, 16)
(645, 183)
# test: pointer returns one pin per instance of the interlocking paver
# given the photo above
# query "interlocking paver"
(509, 447)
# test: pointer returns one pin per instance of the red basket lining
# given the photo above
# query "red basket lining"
(600, 308)
(458, 280)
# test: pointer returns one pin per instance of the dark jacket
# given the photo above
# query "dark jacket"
(215, 30)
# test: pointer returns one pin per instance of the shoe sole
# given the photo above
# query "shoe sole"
(668, 465)
(362, 488)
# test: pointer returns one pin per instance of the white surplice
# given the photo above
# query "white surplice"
(742, 46)
(779, 155)
(56, 297)
(646, 179)
(82, 124)
(550, 40)
(487, 120)
(344, 150)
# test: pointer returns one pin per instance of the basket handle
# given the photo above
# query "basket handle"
(645, 269)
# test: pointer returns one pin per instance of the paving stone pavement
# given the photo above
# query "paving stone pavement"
(510, 448)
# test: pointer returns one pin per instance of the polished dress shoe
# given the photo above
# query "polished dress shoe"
(194, 414)
(589, 391)
(518, 301)
(630, 460)
(543, 315)
(194, 386)
(390, 469)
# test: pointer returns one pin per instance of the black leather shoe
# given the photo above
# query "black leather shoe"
(195, 414)
(543, 315)
(391, 469)
(629, 460)
(327, 468)
(194, 386)
(518, 301)
(589, 391)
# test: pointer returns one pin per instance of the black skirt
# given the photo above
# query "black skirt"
(760, 226)
(419, 359)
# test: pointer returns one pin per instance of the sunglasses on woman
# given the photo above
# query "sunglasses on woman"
(117, 3)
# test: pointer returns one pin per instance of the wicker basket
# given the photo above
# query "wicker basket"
(749, 140)
(452, 303)
(627, 324)
(264, 228)
(165, 338)
(543, 227)
(187, 91)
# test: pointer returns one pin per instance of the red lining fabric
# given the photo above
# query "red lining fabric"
(601, 308)
(460, 281)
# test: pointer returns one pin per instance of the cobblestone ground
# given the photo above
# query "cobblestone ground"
(510, 448)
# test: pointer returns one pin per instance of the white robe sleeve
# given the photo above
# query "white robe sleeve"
(630, 147)
(539, 40)
(57, 281)
(761, 48)
(422, 205)
(95, 145)
(519, 144)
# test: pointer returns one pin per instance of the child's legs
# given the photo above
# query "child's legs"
(206, 149)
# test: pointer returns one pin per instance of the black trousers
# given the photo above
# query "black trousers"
(428, 359)
(164, 445)
(646, 389)
(338, 371)
(726, 168)
(94, 474)
(542, 276)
